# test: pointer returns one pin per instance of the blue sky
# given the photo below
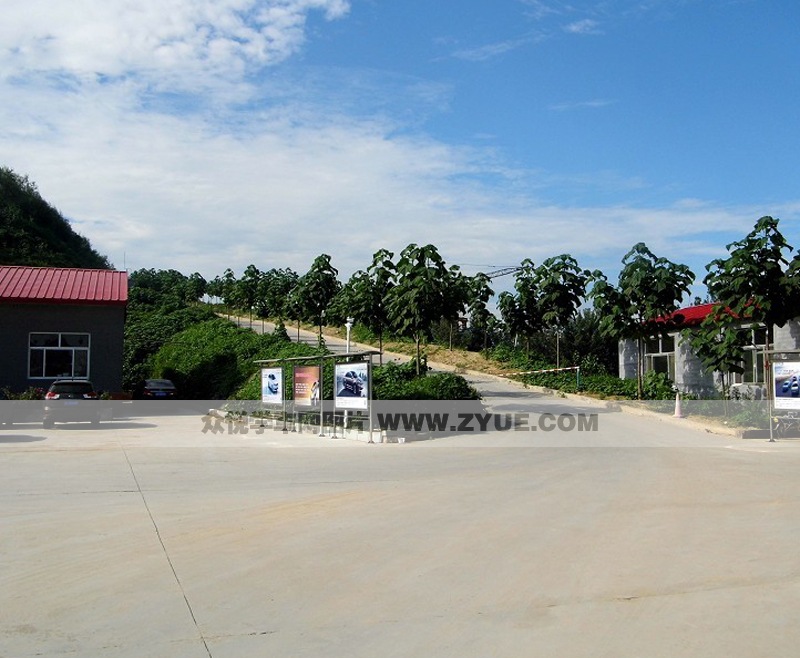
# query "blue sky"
(206, 134)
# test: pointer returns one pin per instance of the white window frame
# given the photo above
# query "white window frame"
(755, 376)
(87, 349)
(666, 349)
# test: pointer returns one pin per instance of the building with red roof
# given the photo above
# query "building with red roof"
(61, 323)
(672, 355)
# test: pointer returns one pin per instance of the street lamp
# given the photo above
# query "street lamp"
(349, 326)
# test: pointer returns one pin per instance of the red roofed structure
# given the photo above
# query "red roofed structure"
(61, 323)
(59, 285)
(691, 316)
(672, 355)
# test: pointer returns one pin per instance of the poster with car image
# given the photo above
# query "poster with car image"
(351, 390)
(272, 385)
(786, 375)
(307, 386)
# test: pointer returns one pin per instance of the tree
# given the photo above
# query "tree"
(196, 286)
(424, 293)
(649, 292)
(511, 314)
(369, 292)
(230, 296)
(561, 288)
(316, 289)
(756, 282)
(478, 305)
(528, 307)
(248, 288)
(718, 343)
(274, 288)
(215, 288)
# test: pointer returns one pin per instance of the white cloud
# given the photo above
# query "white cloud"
(153, 38)
(154, 190)
(491, 50)
(158, 180)
(584, 26)
(594, 103)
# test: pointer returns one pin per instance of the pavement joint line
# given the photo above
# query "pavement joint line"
(166, 552)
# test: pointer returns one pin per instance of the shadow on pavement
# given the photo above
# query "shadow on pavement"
(20, 438)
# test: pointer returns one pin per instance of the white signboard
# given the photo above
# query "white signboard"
(272, 385)
(786, 378)
(351, 390)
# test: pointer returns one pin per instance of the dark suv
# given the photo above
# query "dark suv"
(352, 382)
(70, 400)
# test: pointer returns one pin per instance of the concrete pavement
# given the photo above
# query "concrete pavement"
(147, 537)
(150, 537)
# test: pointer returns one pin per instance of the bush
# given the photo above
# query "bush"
(657, 386)
(147, 329)
(211, 360)
(30, 393)
(400, 382)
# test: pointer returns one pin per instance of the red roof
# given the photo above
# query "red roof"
(61, 285)
(692, 315)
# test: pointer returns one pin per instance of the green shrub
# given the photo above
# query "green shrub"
(211, 360)
(400, 382)
(30, 393)
(147, 329)
(657, 386)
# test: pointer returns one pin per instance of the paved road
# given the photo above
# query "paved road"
(148, 537)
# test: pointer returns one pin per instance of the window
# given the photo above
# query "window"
(58, 355)
(660, 355)
(755, 338)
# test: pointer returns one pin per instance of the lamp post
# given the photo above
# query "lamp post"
(348, 325)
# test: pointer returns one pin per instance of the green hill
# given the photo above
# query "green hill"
(32, 232)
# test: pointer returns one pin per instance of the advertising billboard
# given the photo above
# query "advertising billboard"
(786, 379)
(351, 388)
(307, 386)
(272, 385)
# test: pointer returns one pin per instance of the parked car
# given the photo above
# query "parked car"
(158, 389)
(352, 382)
(70, 400)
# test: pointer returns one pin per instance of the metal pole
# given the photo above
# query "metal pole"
(369, 397)
(321, 396)
(770, 382)
(558, 349)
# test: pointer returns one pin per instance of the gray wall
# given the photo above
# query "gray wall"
(105, 324)
(690, 374)
(787, 337)
(627, 359)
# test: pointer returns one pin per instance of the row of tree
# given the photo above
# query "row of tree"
(409, 296)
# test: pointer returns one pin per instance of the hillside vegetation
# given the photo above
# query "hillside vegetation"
(34, 233)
